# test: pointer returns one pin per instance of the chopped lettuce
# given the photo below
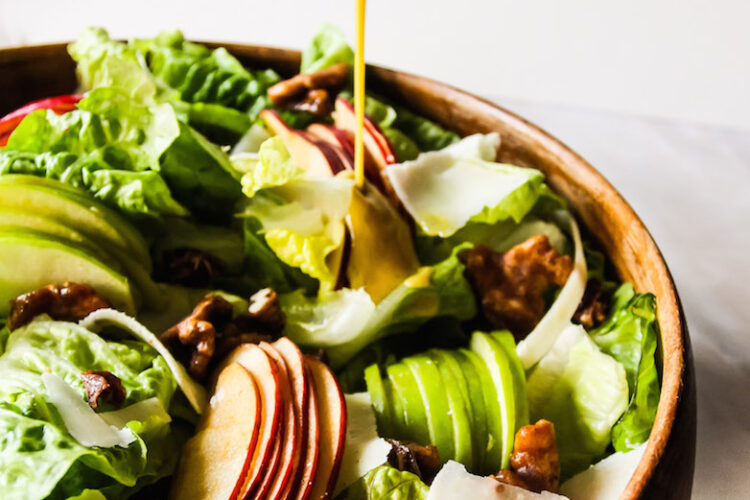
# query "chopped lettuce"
(629, 335)
(443, 191)
(386, 483)
(328, 47)
(345, 321)
(40, 457)
(303, 223)
(272, 166)
(583, 392)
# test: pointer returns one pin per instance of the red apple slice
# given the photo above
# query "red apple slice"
(315, 156)
(288, 442)
(341, 139)
(266, 374)
(311, 458)
(375, 141)
(215, 461)
(299, 381)
(332, 412)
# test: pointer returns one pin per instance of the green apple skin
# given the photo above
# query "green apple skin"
(459, 407)
(77, 210)
(437, 409)
(497, 363)
(382, 407)
(32, 260)
(475, 392)
(508, 344)
(414, 410)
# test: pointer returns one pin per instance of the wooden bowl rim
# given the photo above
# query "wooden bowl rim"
(673, 329)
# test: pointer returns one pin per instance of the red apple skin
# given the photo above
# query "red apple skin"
(341, 140)
(374, 140)
(312, 452)
(332, 412)
(295, 364)
(314, 155)
(280, 471)
(215, 461)
(266, 375)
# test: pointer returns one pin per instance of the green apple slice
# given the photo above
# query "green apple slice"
(437, 409)
(473, 382)
(497, 363)
(458, 402)
(68, 206)
(33, 260)
(508, 344)
(378, 399)
(415, 425)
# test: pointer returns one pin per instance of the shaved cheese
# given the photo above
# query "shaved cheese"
(606, 479)
(80, 420)
(558, 318)
(97, 320)
(141, 411)
(364, 449)
(453, 481)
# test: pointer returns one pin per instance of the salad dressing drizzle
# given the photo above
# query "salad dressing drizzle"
(359, 93)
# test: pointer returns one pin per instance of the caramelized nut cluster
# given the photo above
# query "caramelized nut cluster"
(592, 310)
(311, 92)
(103, 386)
(535, 464)
(191, 267)
(211, 331)
(67, 302)
(511, 285)
(424, 461)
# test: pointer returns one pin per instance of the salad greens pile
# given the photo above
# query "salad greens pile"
(171, 152)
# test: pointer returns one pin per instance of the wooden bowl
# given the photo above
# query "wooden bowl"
(666, 469)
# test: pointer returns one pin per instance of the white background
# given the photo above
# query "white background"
(686, 59)
(653, 93)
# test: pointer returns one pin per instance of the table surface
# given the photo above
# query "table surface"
(691, 186)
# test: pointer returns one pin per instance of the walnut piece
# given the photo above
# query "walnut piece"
(191, 267)
(103, 386)
(535, 464)
(198, 333)
(310, 91)
(511, 285)
(592, 310)
(67, 302)
(424, 461)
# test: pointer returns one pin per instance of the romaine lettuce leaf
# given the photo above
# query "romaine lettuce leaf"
(583, 392)
(345, 321)
(272, 166)
(443, 192)
(386, 483)
(629, 335)
(328, 47)
(39, 456)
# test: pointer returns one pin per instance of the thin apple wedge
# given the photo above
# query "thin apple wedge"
(332, 412)
(295, 365)
(341, 139)
(280, 471)
(266, 374)
(215, 461)
(314, 155)
(309, 465)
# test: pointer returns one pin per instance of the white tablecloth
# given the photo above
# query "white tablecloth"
(691, 186)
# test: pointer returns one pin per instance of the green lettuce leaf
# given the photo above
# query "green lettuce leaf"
(583, 392)
(629, 335)
(272, 166)
(328, 47)
(40, 457)
(386, 483)
(476, 190)
(346, 321)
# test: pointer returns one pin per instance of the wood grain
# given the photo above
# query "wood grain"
(666, 470)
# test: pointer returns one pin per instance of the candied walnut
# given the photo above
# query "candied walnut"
(266, 309)
(191, 267)
(103, 386)
(68, 302)
(511, 285)
(592, 310)
(535, 464)
(197, 332)
(424, 461)
(310, 91)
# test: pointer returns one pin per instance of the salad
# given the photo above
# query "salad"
(198, 301)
